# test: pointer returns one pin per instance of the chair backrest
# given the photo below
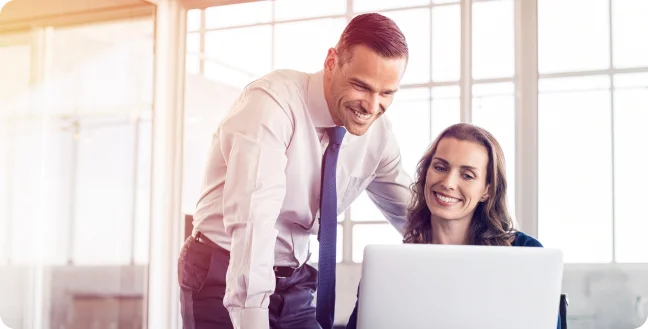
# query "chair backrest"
(188, 226)
(564, 302)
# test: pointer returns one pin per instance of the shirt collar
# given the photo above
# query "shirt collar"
(318, 107)
(316, 102)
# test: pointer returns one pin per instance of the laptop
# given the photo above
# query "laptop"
(418, 286)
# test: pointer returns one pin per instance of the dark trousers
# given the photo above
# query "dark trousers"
(201, 273)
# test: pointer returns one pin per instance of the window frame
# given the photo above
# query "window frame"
(525, 80)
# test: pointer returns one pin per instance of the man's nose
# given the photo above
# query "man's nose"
(373, 104)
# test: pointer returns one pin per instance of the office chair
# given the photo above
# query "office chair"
(564, 302)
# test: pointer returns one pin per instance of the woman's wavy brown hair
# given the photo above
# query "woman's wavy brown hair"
(491, 223)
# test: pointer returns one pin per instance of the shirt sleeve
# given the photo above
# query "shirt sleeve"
(253, 141)
(390, 189)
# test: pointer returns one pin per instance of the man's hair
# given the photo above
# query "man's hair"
(375, 31)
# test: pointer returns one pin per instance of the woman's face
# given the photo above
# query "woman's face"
(456, 179)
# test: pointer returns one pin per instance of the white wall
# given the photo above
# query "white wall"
(13, 295)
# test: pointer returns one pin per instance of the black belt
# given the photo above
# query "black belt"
(281, 272)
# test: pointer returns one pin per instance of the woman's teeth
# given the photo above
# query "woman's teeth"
(446, 199)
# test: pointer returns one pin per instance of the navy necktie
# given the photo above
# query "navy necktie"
(325, 307)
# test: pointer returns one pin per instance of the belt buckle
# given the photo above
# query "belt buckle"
(197, 236)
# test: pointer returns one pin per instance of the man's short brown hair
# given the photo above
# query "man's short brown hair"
(375, 31)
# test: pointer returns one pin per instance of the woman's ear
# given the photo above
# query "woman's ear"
(485, 196)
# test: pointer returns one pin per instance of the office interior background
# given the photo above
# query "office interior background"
(107, 108)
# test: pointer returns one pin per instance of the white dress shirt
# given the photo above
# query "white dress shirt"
(261, 188)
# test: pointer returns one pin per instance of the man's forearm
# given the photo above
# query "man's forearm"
(250, 279)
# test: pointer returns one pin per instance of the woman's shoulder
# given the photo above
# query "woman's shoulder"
(524, 240)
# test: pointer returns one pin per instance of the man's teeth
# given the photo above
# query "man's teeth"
(446, 199)
(361, 115)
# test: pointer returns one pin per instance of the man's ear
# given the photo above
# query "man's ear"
(331, 59)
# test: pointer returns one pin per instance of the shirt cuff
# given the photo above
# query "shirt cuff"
(250, 318)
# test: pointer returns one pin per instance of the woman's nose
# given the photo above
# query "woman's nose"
(449, 182)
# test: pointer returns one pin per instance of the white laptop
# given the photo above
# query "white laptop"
(417, 286)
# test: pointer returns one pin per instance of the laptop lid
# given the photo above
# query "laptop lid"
(418, 286)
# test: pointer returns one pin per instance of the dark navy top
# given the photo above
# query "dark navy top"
(521, 240)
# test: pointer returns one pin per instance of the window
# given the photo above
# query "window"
(300, 9)
(74, 181)
(630, 157)
(492, 38)
(193, 43)
(193, 20)
(557, 32)
(303, 45)
(364, 210)
(446, 43)
(629, 25)
(107, 141)
(247, 13)
(445, 109)
(193, 64)
(240, 65)
(374, 5)
(5, 191)
(314, 247)
(193, 53)
(142, 186)
(415, 25)
(14, 76)
(578, 62)
(366, 234)
(494, 110)
(104, 173)
(38, 193)
(15, 71)
(587, 130)
(410, 118)
(575, 167)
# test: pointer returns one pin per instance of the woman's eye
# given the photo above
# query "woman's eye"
(468, 177)
(439, 168)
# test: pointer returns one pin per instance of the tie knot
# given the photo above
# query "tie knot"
(336, 134)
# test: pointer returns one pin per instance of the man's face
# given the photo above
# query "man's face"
(359, 91)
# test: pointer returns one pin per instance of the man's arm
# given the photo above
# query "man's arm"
(390, 189)
(253, 141)
(390, 192)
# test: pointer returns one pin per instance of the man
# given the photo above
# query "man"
(281, 169)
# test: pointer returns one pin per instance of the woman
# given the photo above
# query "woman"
(459, 196)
